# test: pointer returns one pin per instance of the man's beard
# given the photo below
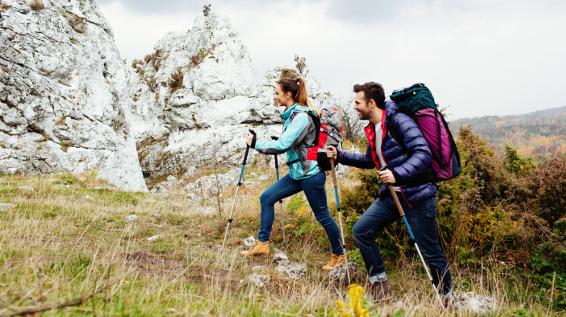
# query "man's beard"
(362, 116)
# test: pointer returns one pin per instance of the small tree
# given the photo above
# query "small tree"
(288, 73)
(206, 9)
(352, 125)
(301, 65)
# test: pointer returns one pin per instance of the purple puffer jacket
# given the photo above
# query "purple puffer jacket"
(408, 160)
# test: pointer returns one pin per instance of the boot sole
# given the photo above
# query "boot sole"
(255, 255)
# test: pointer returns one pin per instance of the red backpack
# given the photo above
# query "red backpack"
(329, 127)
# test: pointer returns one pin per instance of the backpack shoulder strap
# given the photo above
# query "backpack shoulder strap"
(392, 129)
(316, 121)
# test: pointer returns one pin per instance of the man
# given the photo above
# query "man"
(407, 162)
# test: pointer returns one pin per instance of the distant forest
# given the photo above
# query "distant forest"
(540, 134)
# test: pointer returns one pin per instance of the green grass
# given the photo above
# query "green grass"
(70, 236)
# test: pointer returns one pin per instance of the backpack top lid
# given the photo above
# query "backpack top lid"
(331, 116)
(412, 99)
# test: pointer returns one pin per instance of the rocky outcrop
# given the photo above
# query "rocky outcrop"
(204, 100)
(68, 102)
(63, 104)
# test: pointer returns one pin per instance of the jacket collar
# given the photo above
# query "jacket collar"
(371, 127)
(293, 108)
(287, 113)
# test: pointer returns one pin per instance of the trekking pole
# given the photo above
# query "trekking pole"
(338, 207)
(244, 161)
(410, 232)
(274, 138)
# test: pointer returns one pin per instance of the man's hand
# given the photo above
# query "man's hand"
(387, 177)
(331, 152)
(249, 139)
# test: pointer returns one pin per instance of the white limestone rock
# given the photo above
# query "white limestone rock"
(62, 87)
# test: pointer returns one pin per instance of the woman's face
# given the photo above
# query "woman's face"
(283, 98)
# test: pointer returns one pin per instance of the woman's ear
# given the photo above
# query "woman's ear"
(288, 95)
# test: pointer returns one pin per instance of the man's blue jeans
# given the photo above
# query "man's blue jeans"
(314, 191)
(421, 218)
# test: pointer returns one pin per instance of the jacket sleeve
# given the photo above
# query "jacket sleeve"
(356, 159)
(293, 135)
(419, 156)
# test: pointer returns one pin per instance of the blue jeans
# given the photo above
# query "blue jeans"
(421, 218)
(314, 190)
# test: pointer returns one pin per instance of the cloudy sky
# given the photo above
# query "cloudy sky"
(480, 57)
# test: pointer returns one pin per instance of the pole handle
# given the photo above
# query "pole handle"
(333, 172)
(254, 139)
(396, 200)
(244, 161)
(394, 194)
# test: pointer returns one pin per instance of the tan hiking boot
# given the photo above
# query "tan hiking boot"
(335, 260)
(260, 248)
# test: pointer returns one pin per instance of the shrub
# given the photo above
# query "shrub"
(77, 23)
(176, 80)
(198, 57)
(36, 5)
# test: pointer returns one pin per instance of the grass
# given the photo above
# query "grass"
(70, 236)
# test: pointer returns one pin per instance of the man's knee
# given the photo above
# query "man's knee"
(358, 232)
(434, 255)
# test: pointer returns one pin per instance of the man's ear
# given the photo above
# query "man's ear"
(371, 103)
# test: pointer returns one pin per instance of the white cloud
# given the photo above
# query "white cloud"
(481, 57)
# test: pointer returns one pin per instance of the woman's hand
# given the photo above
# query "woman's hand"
(387, 177)
(249, 139)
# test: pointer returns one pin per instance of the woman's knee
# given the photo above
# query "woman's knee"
(264, 198)
(322, 214)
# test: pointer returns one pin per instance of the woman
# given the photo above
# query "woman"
(299, 133)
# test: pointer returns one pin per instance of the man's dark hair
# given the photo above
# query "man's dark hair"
(372, 90)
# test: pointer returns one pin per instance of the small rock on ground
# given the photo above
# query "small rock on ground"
(27, 189)
(475, 303)
(6, 206)
(293, 270)
(249, 242)
(338, 273)
(259, 280)
(280, 258)
(153, 238)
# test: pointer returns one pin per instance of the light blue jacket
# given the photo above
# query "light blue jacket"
(298, 136)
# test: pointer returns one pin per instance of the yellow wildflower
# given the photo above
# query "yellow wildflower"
(356, 306)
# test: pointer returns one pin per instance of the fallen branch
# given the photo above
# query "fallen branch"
(43, 308)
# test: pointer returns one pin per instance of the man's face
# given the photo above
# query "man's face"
(361, 106)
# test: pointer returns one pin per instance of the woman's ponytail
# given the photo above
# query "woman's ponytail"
(302, 97)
